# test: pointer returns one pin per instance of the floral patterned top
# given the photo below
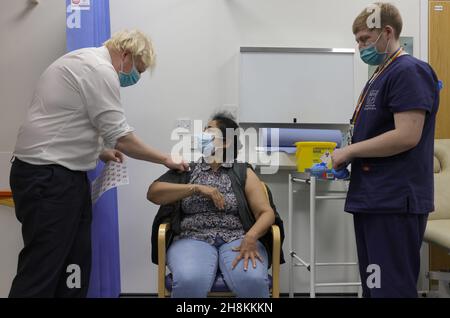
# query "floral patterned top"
(201, 219)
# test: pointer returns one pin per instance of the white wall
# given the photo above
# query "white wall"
(197, 43)
(31, 37)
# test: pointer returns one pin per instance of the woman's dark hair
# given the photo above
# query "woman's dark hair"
(226, 121)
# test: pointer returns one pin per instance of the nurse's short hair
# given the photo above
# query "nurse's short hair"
(135, 42)
(389, 15)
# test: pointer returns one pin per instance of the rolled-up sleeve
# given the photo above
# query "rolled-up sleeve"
(101, 92)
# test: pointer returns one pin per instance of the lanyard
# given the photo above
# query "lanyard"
(366, 90)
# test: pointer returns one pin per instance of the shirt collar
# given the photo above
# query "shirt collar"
(104, 52)
(206, 166)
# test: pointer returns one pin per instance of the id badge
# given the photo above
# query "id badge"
(351, 129)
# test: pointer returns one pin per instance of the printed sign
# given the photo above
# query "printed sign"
(81, 4)
(113, 175)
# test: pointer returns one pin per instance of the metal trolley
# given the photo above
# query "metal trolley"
(311, 182)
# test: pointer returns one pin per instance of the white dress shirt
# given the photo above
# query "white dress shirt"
(75, 112)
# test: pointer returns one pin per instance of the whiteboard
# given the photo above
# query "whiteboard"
(303, 85)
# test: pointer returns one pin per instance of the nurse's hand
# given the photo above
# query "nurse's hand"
(340, 158)
(111, 155)
(177, 164)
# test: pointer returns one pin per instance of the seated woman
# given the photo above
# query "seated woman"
(221, 221)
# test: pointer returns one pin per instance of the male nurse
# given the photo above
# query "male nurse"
(391, 155)
(75, 117)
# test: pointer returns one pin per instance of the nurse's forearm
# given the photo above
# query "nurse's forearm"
(388, 144)
(134, 147)
(405, 136)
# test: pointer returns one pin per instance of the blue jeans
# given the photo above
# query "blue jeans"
(194, 265)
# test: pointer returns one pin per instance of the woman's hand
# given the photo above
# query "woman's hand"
(247, 250)
(111, 155)
(213, 194)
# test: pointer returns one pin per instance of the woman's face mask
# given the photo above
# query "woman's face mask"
(371, 56)
(129, 79)
(205, 144)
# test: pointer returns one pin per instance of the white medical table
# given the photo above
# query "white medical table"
(294, 260)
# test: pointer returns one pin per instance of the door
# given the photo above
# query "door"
(439, 55)
(439, 47)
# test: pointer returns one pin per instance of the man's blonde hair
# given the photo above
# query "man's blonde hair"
(135, 42)
(389, 15)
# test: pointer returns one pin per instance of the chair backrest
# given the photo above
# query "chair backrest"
(441, 180)
(265, 190)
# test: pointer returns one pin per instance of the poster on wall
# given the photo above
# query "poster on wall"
(81, 4)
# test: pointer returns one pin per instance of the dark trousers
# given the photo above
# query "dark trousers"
(53, 204)
(392, 242)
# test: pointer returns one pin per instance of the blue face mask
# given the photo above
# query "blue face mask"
(205, 144)
(371, 56)
(128, 79)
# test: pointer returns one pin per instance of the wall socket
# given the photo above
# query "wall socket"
(184, 123)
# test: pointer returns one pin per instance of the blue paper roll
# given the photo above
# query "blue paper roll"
(288, 137)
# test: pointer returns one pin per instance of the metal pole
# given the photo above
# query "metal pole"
(312, 234)
(291, 260)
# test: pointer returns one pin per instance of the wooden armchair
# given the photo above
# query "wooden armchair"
(219, 288)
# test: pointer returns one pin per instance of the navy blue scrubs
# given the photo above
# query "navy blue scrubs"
(391, 197)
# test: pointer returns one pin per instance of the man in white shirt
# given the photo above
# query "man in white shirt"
(75, 118)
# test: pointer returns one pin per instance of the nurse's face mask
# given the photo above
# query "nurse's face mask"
(370, 54)
(128, 79)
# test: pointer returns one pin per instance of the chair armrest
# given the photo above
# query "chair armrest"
(276, 252)
(6, 198)
(163, 228)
